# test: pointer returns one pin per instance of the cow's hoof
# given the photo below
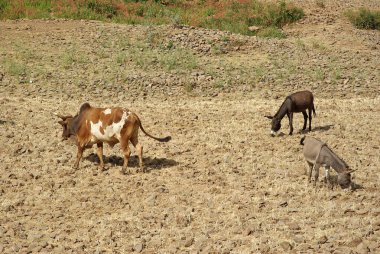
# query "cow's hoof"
(124, 171)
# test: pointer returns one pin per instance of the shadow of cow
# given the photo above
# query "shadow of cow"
(150, 163)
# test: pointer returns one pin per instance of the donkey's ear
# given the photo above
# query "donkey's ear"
(269, 117)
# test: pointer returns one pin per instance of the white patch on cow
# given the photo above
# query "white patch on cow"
(272, 132)
(107, 111)
(110, 132)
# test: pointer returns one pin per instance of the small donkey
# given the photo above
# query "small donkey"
(296, 102)
(318, 154)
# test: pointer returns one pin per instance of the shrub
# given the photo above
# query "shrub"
(276, 15)
(271, 32)
(365, 19)
(233, 16)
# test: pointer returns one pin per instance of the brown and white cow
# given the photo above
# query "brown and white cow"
(111, 125)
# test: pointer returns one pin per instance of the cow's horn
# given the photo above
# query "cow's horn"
(60, 116)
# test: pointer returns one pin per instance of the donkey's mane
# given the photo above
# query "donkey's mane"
(278, 111)
(345, 164)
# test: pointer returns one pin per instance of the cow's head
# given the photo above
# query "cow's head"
(276, 124)
(344, 178)
(66, 123)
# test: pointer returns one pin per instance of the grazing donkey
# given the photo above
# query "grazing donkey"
(318, 154)
(294, 103)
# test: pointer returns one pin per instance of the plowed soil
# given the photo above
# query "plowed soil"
(222, 184)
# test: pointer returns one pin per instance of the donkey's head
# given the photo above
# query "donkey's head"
(276, 124)
(344, 178)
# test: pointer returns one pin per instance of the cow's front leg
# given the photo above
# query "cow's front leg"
(79, 156)
(127, 153)
(99, 152)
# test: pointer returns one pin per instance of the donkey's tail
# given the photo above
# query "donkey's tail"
(302, 139)
(313, 108)
(165, 139)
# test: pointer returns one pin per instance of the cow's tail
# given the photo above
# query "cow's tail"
(302, 139)
(166, 139)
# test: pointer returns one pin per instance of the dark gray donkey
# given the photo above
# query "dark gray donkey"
(318, 154)
(296, 102)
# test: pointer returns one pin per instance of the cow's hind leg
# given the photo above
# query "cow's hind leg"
(304, 120)
(127, 152)
(79, 156)
(139, 151)
(99, 151)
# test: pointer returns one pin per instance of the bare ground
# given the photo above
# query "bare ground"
(223, 184)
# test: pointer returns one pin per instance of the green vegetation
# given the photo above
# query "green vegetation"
(15, 68)
(228, 15)
(271, 32)
(365, 19)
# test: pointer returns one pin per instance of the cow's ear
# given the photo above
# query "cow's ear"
(62, 123)
(269, 117)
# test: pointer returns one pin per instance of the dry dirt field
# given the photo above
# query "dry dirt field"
(222, 184)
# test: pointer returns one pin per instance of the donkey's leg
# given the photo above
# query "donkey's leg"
(316, 172)
(327, 168)
(310, 170)
(304, 120)
(310, 117)
(290, 116)
(327, 177)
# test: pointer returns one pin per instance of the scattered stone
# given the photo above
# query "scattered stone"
(299, 239)
(286, 246)
(362, 248)
(321, 240)
(138, 247)
(254, 28)
(189, 241)
(264, 248)
(294, 226)
(355, 242)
